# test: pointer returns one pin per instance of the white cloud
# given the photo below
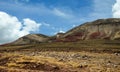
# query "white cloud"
(61, 31)
(60, 13)
(30, 25)
(58, 30)
(46, 24)
(116, 9)
(11, 28)
(102, 8)
(74, 25)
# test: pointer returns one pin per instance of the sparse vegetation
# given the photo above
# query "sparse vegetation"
(81, 56)
(92, 47)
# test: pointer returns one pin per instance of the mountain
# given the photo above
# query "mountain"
(31, 38)
(99, 29)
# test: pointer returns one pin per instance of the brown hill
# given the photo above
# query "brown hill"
(31, 38)
(99, 29)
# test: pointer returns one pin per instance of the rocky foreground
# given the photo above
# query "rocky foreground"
(35, 61)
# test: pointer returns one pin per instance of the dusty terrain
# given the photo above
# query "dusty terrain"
(59, 62)
(82, 56)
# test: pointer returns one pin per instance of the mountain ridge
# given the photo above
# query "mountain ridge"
(98, 29)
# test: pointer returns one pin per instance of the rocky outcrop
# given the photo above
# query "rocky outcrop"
(99, 29)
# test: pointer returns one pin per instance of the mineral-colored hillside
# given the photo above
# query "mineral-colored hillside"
(99, 29)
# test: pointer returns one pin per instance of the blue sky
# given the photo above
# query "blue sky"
(61, 15)
(51, 16)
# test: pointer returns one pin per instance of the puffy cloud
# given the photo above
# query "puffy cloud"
(116, 9)
(11, 28)
(30, 25)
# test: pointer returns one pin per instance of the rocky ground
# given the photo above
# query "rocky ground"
(52, 61)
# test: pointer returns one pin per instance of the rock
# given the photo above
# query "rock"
(55, 68)
(117, 54)
(85, 57)
(33, 53)
(77, 55)
(109, 62)
(82, 66)
(61, 60)
(115, 66)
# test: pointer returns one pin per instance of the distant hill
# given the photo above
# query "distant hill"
(100, 29)
(31, 38)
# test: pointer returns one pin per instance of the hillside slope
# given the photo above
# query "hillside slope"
(99, 29)
(31, 38)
